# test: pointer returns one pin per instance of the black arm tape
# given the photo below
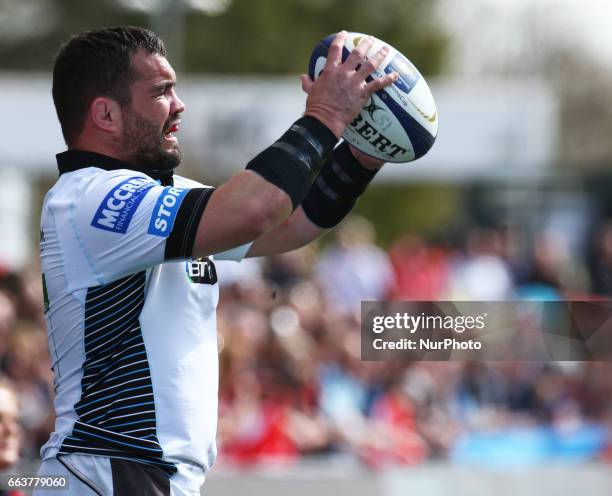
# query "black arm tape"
(179, 244)
(293, 161)
(336, 189)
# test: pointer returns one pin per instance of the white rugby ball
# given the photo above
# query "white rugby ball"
(399, 123)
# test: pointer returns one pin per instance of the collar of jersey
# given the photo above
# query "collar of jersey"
(72, 160)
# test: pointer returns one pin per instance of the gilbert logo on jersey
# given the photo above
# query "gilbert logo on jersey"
(201, 271)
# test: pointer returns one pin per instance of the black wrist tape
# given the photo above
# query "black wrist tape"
(336, 189)
(293, 161)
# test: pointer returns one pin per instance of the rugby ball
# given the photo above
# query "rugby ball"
(399, 123)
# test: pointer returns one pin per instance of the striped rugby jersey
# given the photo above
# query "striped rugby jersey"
(130, 318)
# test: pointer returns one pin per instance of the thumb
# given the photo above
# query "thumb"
(306, 83)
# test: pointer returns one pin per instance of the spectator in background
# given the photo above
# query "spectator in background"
(482, 274)
(421, 270)
(553, 269)
(24, 292)
(28, 367)
(431, 388)
(354, 269)
(601, 268)
(288, 269)
(8, 315)
(10, 433)
(24, 357)
(293, 384)
(267, 404)
(9, 427)
(481, 395)
(393, 438)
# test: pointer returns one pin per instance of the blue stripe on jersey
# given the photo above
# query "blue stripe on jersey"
(132, 423)
(115, 384)
(114, 395)
(128, 287)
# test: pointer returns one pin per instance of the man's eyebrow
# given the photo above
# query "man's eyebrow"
(166, 83)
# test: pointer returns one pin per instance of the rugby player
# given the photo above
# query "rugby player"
(128, 250)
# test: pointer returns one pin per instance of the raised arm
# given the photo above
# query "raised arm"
(343, 178)
(276, 182)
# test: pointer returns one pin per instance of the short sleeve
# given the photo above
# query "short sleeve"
(128, 222)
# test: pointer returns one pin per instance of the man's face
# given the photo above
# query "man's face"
(152, 116)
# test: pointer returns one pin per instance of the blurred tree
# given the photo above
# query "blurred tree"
(583, 86)
(547, 41)
(272, 37)
(428, 209)
(31, 31)
(249, 37)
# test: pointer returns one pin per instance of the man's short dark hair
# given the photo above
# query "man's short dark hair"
(93, 64)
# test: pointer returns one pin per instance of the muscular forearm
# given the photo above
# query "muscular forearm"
(291, 234)
(247, 208)
(343, 179)
(239, 211)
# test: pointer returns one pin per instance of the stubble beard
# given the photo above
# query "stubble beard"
(143, 144)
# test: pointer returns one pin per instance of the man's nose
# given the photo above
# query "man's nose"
(178, 105)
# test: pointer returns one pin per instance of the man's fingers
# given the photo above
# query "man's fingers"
(359, 54)
(369, 66)
(306, 83)
(380, 83)
(337, 96)
(334, 54)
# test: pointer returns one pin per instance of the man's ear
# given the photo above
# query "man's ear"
(106, 114)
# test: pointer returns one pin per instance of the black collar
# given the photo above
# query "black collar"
(72, 160)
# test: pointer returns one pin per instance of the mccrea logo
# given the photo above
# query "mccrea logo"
(165, 210)
(116, 210)
(201, 271)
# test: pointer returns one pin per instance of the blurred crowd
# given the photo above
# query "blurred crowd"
(292, 383)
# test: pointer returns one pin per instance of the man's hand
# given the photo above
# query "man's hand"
(341, 90)
(366, 161)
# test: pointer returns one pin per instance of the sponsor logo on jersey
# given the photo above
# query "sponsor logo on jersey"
(201, 271)
(119, 205)
(165, 210)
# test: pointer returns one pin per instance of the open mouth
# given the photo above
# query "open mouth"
(169, 135)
